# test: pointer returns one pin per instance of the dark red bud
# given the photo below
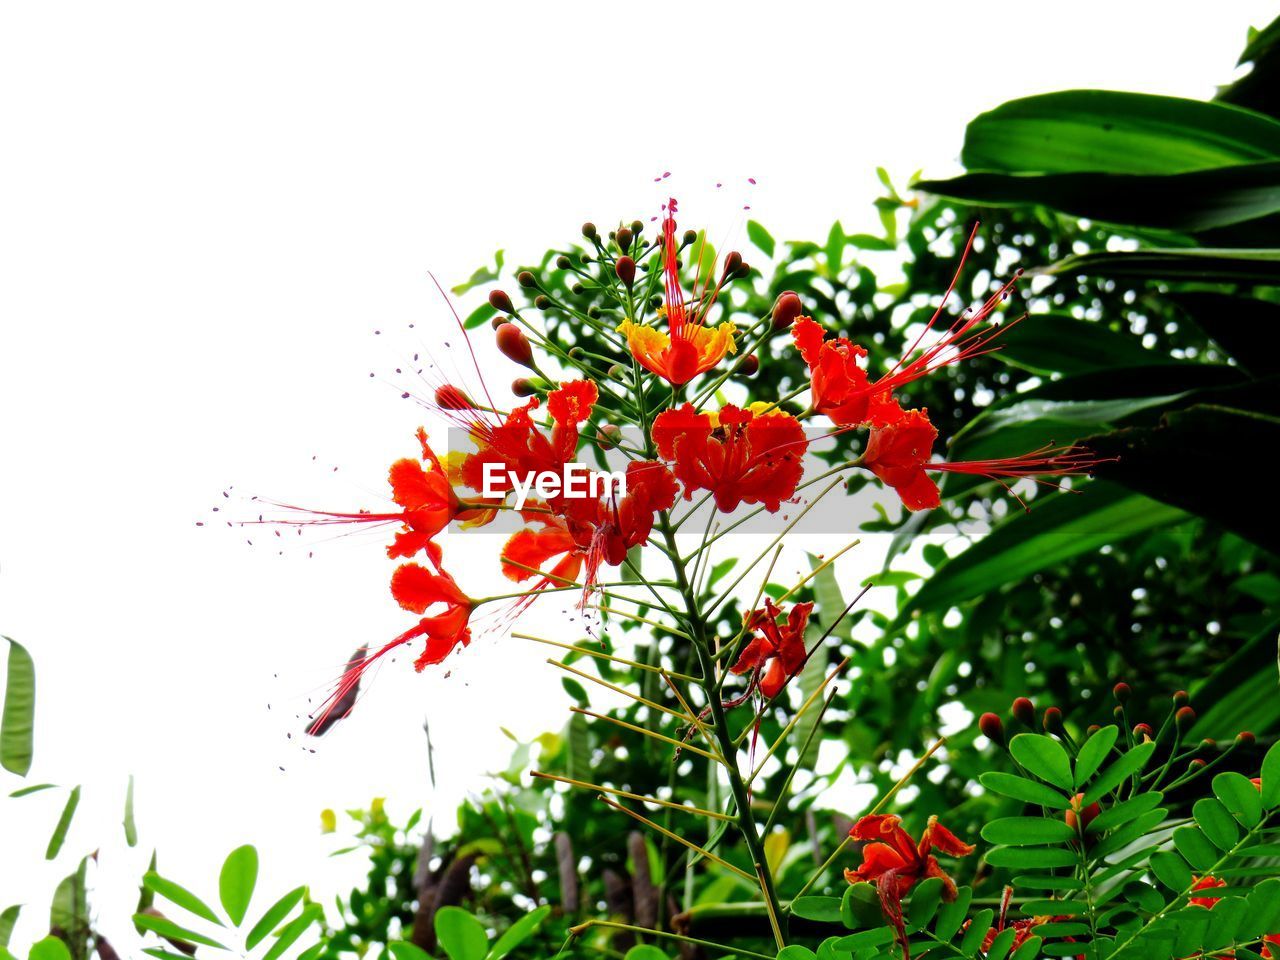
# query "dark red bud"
(514, 344)
(499, 300)
(743, 270)
(1184, 718)
(1025, 711)
(1196, 764)
(1053, 720)
(449, 397)
(623, 236)
(992, 728)
(563, 262)
(1245, 737)
(1085, 816)
(1122, 692)
(625, 267)
(1181, 698)
(589, 230)
(689, 237)
(750, 365)
(786, 310)
(526, 279)
(1093, 728)
(523, 387)
(731, 264)
(498, 321)
(542, 302)
(1143, 731)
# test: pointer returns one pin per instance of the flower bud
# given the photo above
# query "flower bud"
(637, 227)
(1092, 729)
(1196, 764)
(1053, 720)
(786, 310)
(992, 728)
(1245, 738)
(527, 279)
(499, 300)
(523, 387)
(1122, 692)
(576, 353)
(625, 267)
(750, 365)
(449, 397)
(1181, 698)
(563, 262)
(1208, 745)
(1118, 713)
(542, 302)
(616, 372)
(594, 312)
(732, 261)
(1143, 732)
(1025, 711)
(1084, 817)
(608, 436)
(623, 237)
(1184, 718)
(578, 288)
(589, 230)
(514, 344)
(689, 237)
(498, 321)
(744, 269)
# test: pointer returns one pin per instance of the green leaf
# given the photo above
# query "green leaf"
(1198, 851)
(952, 915)
(1207, 199)
(522, 930)
(575, 690)
(1020, 788)
(69, 910)
(1027, 831)
(1036, 858)
(1240, 797)
(479, 316)
(1171, 870)
(875, 937)
(1095, 750)
(130, 827)
(460, 934)
(795, 951)
(824, 909)
(1030, 947)
(760, 237)
(404, 950)
(977, 931)
(924, 902)
(1207, 264)
(34, 788)
(1124, 812)
(179, 895)
(237, 880)
(1053, 343)
(719, 571)
(18, 720)
(1271, 777)
(860, 907)
(1044, 757)
(481, 276)
(7, 921)
(1132, 762)
(1058, 528)
(293, 930)
(1102, 130)
(171, 931)
(1217, 824)
(645, 951)
(274, 916)
(63, 825)
(1001, 944)
(50, 948)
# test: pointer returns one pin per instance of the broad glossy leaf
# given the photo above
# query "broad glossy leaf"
(1094, 751)
(528, 925)
(236, 881)
(1052, 343)
(1271, 777)
(404, 950)
(1103, 130)
(978, 927)
(1197, 850)
(1240, 798)
(1133, 761)
(50, 948)
(1124, 812)
(1207, 264)
(1020, 788)
(1035, 858)
(1060, 527)
(825, 909)
(1217, 824)
(1044, 757)
(1171, 870)
(179, 895)
(924, 902)
(18, 719)
(1247, 328)
(1027, 831)
(460, 934)
(1206, 199)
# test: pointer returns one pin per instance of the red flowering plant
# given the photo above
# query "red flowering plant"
(654, 384)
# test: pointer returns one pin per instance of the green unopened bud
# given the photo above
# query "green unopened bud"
(616, 372)
(608, 436)
(576, 353)
(593, 312)
(542, 302)
(1181, 698)
(689, 237)
(578, 288)
(637, 227)
(589, 230)
(563, 262)
(523, 387)
(527, 279)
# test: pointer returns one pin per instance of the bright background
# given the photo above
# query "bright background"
(205, 212)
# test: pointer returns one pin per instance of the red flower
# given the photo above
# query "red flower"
(745, 458)
(528, 549)
(1269, 941)
(895, 862)
(691, 347)
(843, 390)
(417, 589)
(781, 648)
(897, 454)
(1205, 883)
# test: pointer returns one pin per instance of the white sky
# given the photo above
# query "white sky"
(205, 211)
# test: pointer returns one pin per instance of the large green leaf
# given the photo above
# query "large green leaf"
(1180, 462)
(1209, 264)
(1205, 199)
(18, 720)
(519, 932)
(1259, 89)
(1104, 130)
(460, 934)
(236, 881)
(1052, 343)
(1058, 527)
